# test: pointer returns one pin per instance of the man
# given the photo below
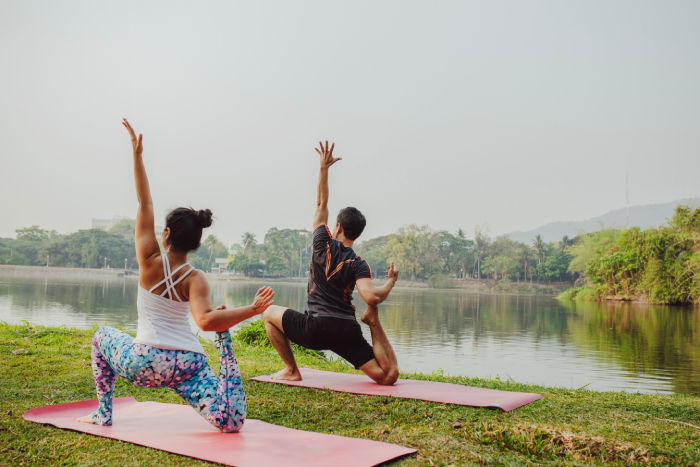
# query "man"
(330, 322)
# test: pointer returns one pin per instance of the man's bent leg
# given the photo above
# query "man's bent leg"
(275, 332)
(384, 367)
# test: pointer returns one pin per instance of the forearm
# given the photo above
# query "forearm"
(383, 292)
(221, 320)
(322, 198)
(321, 214)
(143, 189)
(373, 295)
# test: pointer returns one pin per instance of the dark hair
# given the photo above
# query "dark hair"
(352, 221)
(186, 227)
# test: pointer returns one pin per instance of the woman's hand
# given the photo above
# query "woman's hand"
(263, 299)
(136, 143)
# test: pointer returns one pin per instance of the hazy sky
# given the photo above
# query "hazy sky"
(445, 113)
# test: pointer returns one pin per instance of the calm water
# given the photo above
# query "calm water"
(529, 339)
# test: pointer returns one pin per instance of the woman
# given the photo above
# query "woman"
(165, 352)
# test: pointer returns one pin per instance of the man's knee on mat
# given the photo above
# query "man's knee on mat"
(380, 375)
(390, 377)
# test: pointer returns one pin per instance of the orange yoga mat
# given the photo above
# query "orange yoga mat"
(180, 430)
(429, 391)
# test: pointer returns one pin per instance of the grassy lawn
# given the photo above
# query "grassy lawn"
(567, 427)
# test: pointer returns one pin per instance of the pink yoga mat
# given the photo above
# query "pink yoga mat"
(180, 430)
(410, 389)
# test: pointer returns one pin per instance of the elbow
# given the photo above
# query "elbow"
(205, 324)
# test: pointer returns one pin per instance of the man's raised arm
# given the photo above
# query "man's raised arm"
(327, 159)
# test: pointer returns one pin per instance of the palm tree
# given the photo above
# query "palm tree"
(525, 255)
(211, 243)
(461, 236)
(482, 240)
(248, 240)
(565, 243)
(540, 248)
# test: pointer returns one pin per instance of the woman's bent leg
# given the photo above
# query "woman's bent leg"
(109, 348)
(221, 401)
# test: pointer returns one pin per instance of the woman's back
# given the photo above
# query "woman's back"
(164, 317)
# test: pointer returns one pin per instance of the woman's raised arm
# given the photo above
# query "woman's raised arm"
(146, 243)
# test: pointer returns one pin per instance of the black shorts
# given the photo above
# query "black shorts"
(342, 336)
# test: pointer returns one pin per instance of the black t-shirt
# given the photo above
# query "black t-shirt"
(334, 270)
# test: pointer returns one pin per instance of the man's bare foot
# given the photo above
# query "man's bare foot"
(85, 419)
(370, 315)
(287, 375)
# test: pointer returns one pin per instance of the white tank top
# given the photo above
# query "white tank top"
(164, 322)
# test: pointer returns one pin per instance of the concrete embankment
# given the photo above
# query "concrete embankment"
(55, 270)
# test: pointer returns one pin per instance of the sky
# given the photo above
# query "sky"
(452, 114)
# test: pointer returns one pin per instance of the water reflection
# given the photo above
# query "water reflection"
(529, 339)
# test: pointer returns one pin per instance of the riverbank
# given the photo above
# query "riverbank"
(64, 271)
(467, 285)
(567, 427)
(588, 293)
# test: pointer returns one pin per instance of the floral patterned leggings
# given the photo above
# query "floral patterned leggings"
(221, 401)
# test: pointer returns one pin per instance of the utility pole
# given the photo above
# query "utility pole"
(47, 261)
(105, 263)
(125, 263)
(627, 194)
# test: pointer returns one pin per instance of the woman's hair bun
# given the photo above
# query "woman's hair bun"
(204, 218)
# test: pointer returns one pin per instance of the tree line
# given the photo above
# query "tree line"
(83, 249)
(420, 252)
(439, 256)
(657, 265)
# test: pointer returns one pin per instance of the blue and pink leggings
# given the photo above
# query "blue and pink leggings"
(221, 401)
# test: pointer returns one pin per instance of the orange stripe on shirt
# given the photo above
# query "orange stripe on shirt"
(368, 267)
(328, 258)
(328, 230)
(338, 268)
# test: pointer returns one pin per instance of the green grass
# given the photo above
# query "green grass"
(567, 427)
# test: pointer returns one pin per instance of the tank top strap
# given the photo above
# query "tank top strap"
(168, 276)
(170, 285)
(168, 281)
(173, 284)
(166, 269)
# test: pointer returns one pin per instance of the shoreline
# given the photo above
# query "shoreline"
(469, 285)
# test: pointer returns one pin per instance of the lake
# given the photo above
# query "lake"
(530, 339)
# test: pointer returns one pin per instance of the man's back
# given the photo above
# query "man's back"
(334, 270)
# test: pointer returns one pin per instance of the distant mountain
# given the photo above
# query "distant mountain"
(646, 216)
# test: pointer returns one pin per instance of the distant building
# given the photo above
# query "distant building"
(220, 267)
(106, 224)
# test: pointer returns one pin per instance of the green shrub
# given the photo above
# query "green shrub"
(569, 294)
(586, 292)
(440, 281)
(254, 335)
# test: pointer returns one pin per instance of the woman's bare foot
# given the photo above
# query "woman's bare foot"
(85, 419)
(287, 375)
